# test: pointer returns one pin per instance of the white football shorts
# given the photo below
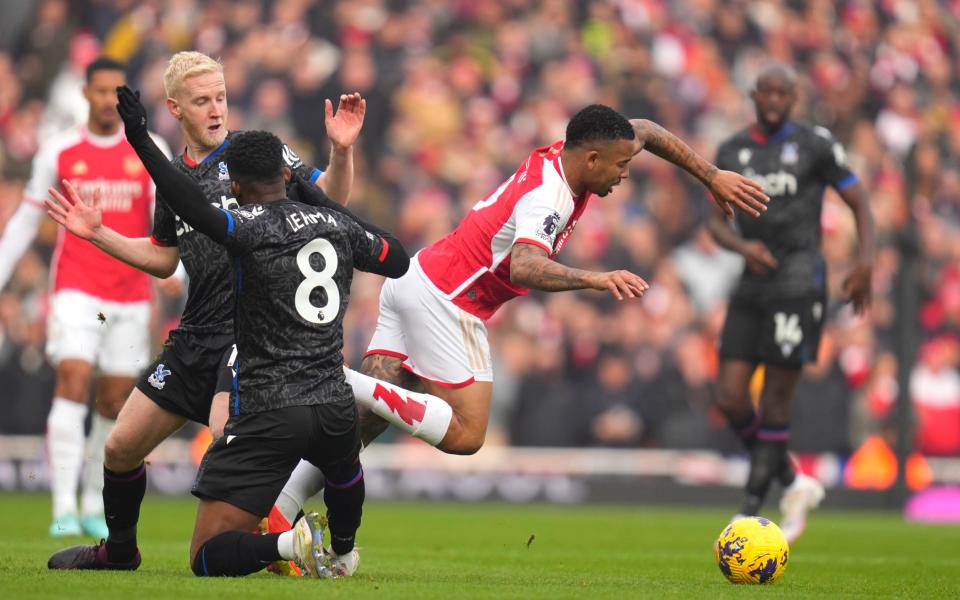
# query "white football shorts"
(435, 339)
(115, 336)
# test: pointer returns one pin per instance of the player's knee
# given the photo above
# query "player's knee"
(73, 387)
(197, 566)
(109, 405)
(776, 407)
(466, 443)
(118, 455)
(732, 401)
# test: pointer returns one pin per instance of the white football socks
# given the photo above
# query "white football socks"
(65, 445)
(285, 545)
(91, 491)
(305, 482)
(421, 415)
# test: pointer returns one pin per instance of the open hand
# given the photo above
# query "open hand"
(622, 284)
(759, 258)
(76, 216)
(729, 189)
(344, 127)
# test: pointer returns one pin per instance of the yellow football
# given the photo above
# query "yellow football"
(752, 550)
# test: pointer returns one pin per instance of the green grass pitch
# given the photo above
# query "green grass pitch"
(481, 551)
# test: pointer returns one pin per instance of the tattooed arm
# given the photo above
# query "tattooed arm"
(669, 147)
(727, 187)
(531, 267)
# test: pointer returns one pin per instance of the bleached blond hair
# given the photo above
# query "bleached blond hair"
(184, 65)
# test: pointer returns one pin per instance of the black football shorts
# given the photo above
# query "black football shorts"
(782, 332)
(186, 374)
(249, 465)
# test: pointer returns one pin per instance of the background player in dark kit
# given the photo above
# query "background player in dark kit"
(776, 312)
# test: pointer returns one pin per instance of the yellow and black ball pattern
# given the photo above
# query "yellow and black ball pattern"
(752, 550)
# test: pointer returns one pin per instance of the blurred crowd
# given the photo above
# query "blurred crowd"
(458, 93)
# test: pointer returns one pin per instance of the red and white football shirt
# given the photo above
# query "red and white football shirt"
(110, 164)
(471, 266)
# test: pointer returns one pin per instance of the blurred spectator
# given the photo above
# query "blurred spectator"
(935, 391)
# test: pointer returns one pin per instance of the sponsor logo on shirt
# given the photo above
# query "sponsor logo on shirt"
(79, 168)
(156, 379)
(116, 195)
(226, 203)
(780, 183)
(132, 166)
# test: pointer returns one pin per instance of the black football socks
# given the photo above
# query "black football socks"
(235, 553)
(344, 499)
(768, 458)
(122, 496)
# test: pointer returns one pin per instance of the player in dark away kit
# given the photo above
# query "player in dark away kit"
(293, 265)
(776, 312)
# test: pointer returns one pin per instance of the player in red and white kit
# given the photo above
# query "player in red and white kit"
(431, 336)
(100, 308)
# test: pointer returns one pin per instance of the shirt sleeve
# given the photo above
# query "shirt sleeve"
(369, 250)
(832, 165)
(43, 175)
(165, 148)
(539, 220)
(164, 224)
(308, 172)
(17, 236)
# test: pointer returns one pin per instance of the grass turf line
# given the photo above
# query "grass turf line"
(447, 551)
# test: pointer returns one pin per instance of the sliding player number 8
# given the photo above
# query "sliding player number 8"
(318, 279)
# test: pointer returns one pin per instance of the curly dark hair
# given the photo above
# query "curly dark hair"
(254, 156)
(104, 64)
(597, 122)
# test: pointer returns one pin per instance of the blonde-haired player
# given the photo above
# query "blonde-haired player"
(194, 364)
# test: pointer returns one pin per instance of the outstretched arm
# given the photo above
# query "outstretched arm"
(182, 193)
(84, 220)
(17, 236)
(342, 130)
(728, 188)
(530, 267)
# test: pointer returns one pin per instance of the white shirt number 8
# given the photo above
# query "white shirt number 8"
(318, 279)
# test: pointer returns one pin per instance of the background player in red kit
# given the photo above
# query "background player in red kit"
(87, 285)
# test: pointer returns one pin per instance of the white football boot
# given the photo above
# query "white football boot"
(308, 546)
(799, 498)
(343, 565)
